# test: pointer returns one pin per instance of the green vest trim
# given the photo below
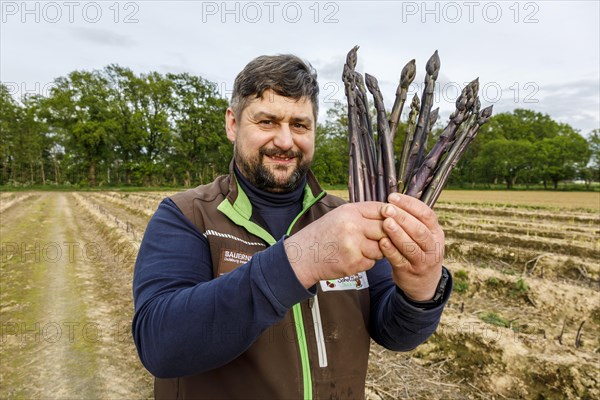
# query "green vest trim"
(240, 212)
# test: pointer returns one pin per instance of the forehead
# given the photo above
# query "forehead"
(281, 106)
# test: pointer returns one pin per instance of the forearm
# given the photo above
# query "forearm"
(394, 323)
(185, 322)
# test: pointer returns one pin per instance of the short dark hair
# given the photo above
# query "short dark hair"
(285, 74)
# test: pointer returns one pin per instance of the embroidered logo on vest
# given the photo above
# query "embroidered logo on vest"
(231, 259)
(352, 282)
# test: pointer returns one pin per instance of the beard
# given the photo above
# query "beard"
(263, 177)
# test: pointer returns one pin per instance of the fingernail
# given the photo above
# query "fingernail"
(390, 210)
(394, 198)
(392, 226)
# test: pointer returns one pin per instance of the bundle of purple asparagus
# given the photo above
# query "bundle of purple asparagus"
(372, 164)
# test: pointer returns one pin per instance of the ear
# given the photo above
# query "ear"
(230, 125)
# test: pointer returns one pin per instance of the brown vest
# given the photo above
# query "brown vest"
(288, 360)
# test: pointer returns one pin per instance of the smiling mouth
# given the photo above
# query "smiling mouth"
(280, 158)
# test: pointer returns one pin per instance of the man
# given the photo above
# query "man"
(261, 286)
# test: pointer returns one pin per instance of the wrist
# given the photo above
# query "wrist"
(301, 270)
(439, 294)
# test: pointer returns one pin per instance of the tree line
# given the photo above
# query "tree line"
(521, 147)
(112, 127)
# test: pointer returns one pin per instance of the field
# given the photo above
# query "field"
(523, 321)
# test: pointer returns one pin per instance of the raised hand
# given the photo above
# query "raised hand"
(413, 244)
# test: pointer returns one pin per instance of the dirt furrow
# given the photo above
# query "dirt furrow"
(8, 202)
(548, 228)
(520, 214)
(137, 220)
(64, 329)
(544, 245)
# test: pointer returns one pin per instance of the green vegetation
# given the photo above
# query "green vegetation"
(519, 289)
(494, 319)
(493, 282)
(521, 286)
(113, 128)
(461, 281)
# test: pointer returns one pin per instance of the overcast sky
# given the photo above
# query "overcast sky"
(540, 55)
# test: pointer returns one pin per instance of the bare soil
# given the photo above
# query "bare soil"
(66, 306)
(523, 320)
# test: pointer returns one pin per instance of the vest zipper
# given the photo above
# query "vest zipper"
(316, 314)
(299, 322)
(303, 346)
(237, 216)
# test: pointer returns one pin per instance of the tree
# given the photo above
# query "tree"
(10, 113)
(542, 150)
(79, 109)
(505, 159)
(151, 98)
(330, 164)
(594, 146)
(562, 157)
(200, 146)
(126, 143)
(24, 150)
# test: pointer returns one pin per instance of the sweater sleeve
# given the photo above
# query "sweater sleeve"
(394, 323)
(185, 322)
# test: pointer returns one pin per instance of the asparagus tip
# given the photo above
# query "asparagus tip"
(433, 65)
(408, 74)
(371, 82)
(415, 101)
(485, 115)
(352, 57)
(475, 85)
(433, 116)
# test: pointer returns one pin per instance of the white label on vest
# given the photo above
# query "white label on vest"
(353, 282)
(231, 259)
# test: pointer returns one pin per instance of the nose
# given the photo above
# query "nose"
(283, 138)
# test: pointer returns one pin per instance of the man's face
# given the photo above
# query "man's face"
(274, 141)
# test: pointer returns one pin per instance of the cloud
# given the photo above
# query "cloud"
(575, 102)
(103, 37)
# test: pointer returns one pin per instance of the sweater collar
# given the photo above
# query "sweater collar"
(263, 198)
(312, 189)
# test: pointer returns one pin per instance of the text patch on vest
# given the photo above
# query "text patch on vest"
(231, 259)
(352, 282)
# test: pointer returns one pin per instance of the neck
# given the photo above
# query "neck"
(274, 211)
(280, 199)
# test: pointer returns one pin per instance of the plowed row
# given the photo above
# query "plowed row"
(524, 319)
(522, 322)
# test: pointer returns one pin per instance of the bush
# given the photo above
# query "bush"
(461, 281)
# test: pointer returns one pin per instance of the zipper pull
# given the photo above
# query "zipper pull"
(311, 301)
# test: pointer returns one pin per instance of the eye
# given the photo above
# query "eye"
(298, 125)
(266, 122)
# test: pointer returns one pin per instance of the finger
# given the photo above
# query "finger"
(391, 253)
(403, 242)
(369, 209)
(414, 228)
(373, 229)
(371, 250)
(416, 208)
